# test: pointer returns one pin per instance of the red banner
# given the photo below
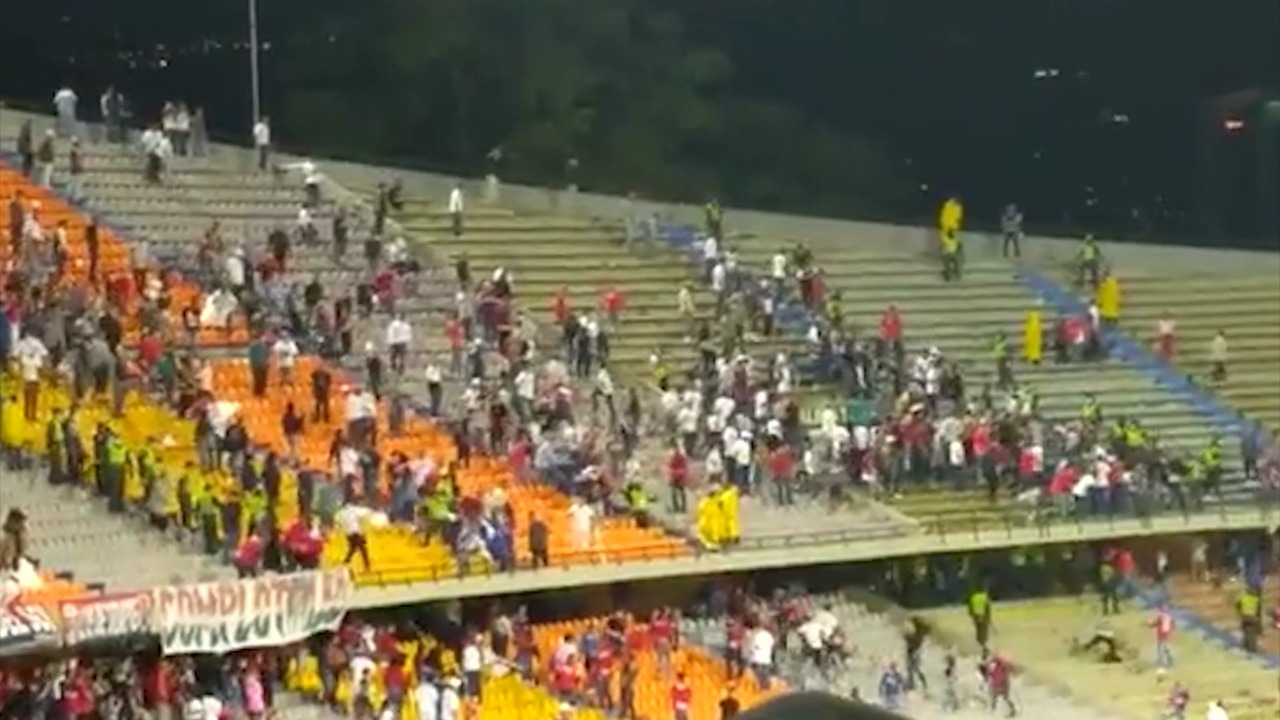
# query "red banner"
(108, 617)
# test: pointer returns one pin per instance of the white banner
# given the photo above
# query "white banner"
(265, 611)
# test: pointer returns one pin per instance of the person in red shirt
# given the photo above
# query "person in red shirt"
(612, 302)
(602, 675)
(678, 478)
(248, 560)
(566, 679)
(150, 348)
(394, 679)
(999, 673)
(304, 542)
(78, 700)
(662, 633)
(1162, 628)
(681, 698)
(453, 333)
(518, 455)
(560, 308)
(891, 333)
(782, 468)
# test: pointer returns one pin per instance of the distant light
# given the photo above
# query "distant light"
(1044, 73)
(1233, 125)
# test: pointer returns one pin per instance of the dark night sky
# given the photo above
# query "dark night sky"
(1097, 99)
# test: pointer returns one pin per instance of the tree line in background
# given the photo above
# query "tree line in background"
(865, 109)
(618, 86)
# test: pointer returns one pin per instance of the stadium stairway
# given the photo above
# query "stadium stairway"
(545, 254)
(72, 532)
(584, 257)
(397, 555)
(1245, 307)
(1040, 635)
(962, 319)
(876, 640)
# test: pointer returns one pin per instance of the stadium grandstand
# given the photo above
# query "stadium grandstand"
(324, 423)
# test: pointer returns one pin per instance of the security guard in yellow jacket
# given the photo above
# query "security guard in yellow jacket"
(1089, 262)
(1249, 606)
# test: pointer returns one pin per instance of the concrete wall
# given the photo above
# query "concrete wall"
(871, 237)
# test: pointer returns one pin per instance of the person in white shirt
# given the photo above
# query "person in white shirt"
(399, 334)
(582, 521)
(64, 101)
(604, 393)
(1218, 349)
(815, 636)
(427, 698)
(526, 393)
(350, 520)
(471, 662)
(778, 269)
(450, 700)
(206, 707)
(262, 142)
(1217, 711)
(457, 207)
(286, 353)
(434, 376)
(710, 255)
(236, 269)
(760, 657)
(717, 276)
(158, 149)
(32, 356)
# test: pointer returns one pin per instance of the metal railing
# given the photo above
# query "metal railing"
(948, 532)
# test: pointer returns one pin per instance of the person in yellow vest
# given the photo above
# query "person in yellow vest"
(1088, 262)
(728, 498)
(950, 220)
(708, 530)
(1032, 337)
(951, 216)
(1108, 299)
(1249, 606)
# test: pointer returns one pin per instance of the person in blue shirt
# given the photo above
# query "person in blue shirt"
(892, 687)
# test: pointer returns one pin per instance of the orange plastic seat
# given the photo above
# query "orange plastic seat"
(52, 590)
(398, 555)
(113, 259)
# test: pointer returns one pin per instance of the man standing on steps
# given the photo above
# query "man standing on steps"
(1011, 227)
(950, 219)
(950, 256)
(435, 388)
(259, 357)
(64, 101)
(262, 142)
(1004, 369)
(1218, 349)
(1088, 263)
(399, 334)
(456, 209)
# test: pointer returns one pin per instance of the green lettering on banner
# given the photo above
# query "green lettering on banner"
(257, 612)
